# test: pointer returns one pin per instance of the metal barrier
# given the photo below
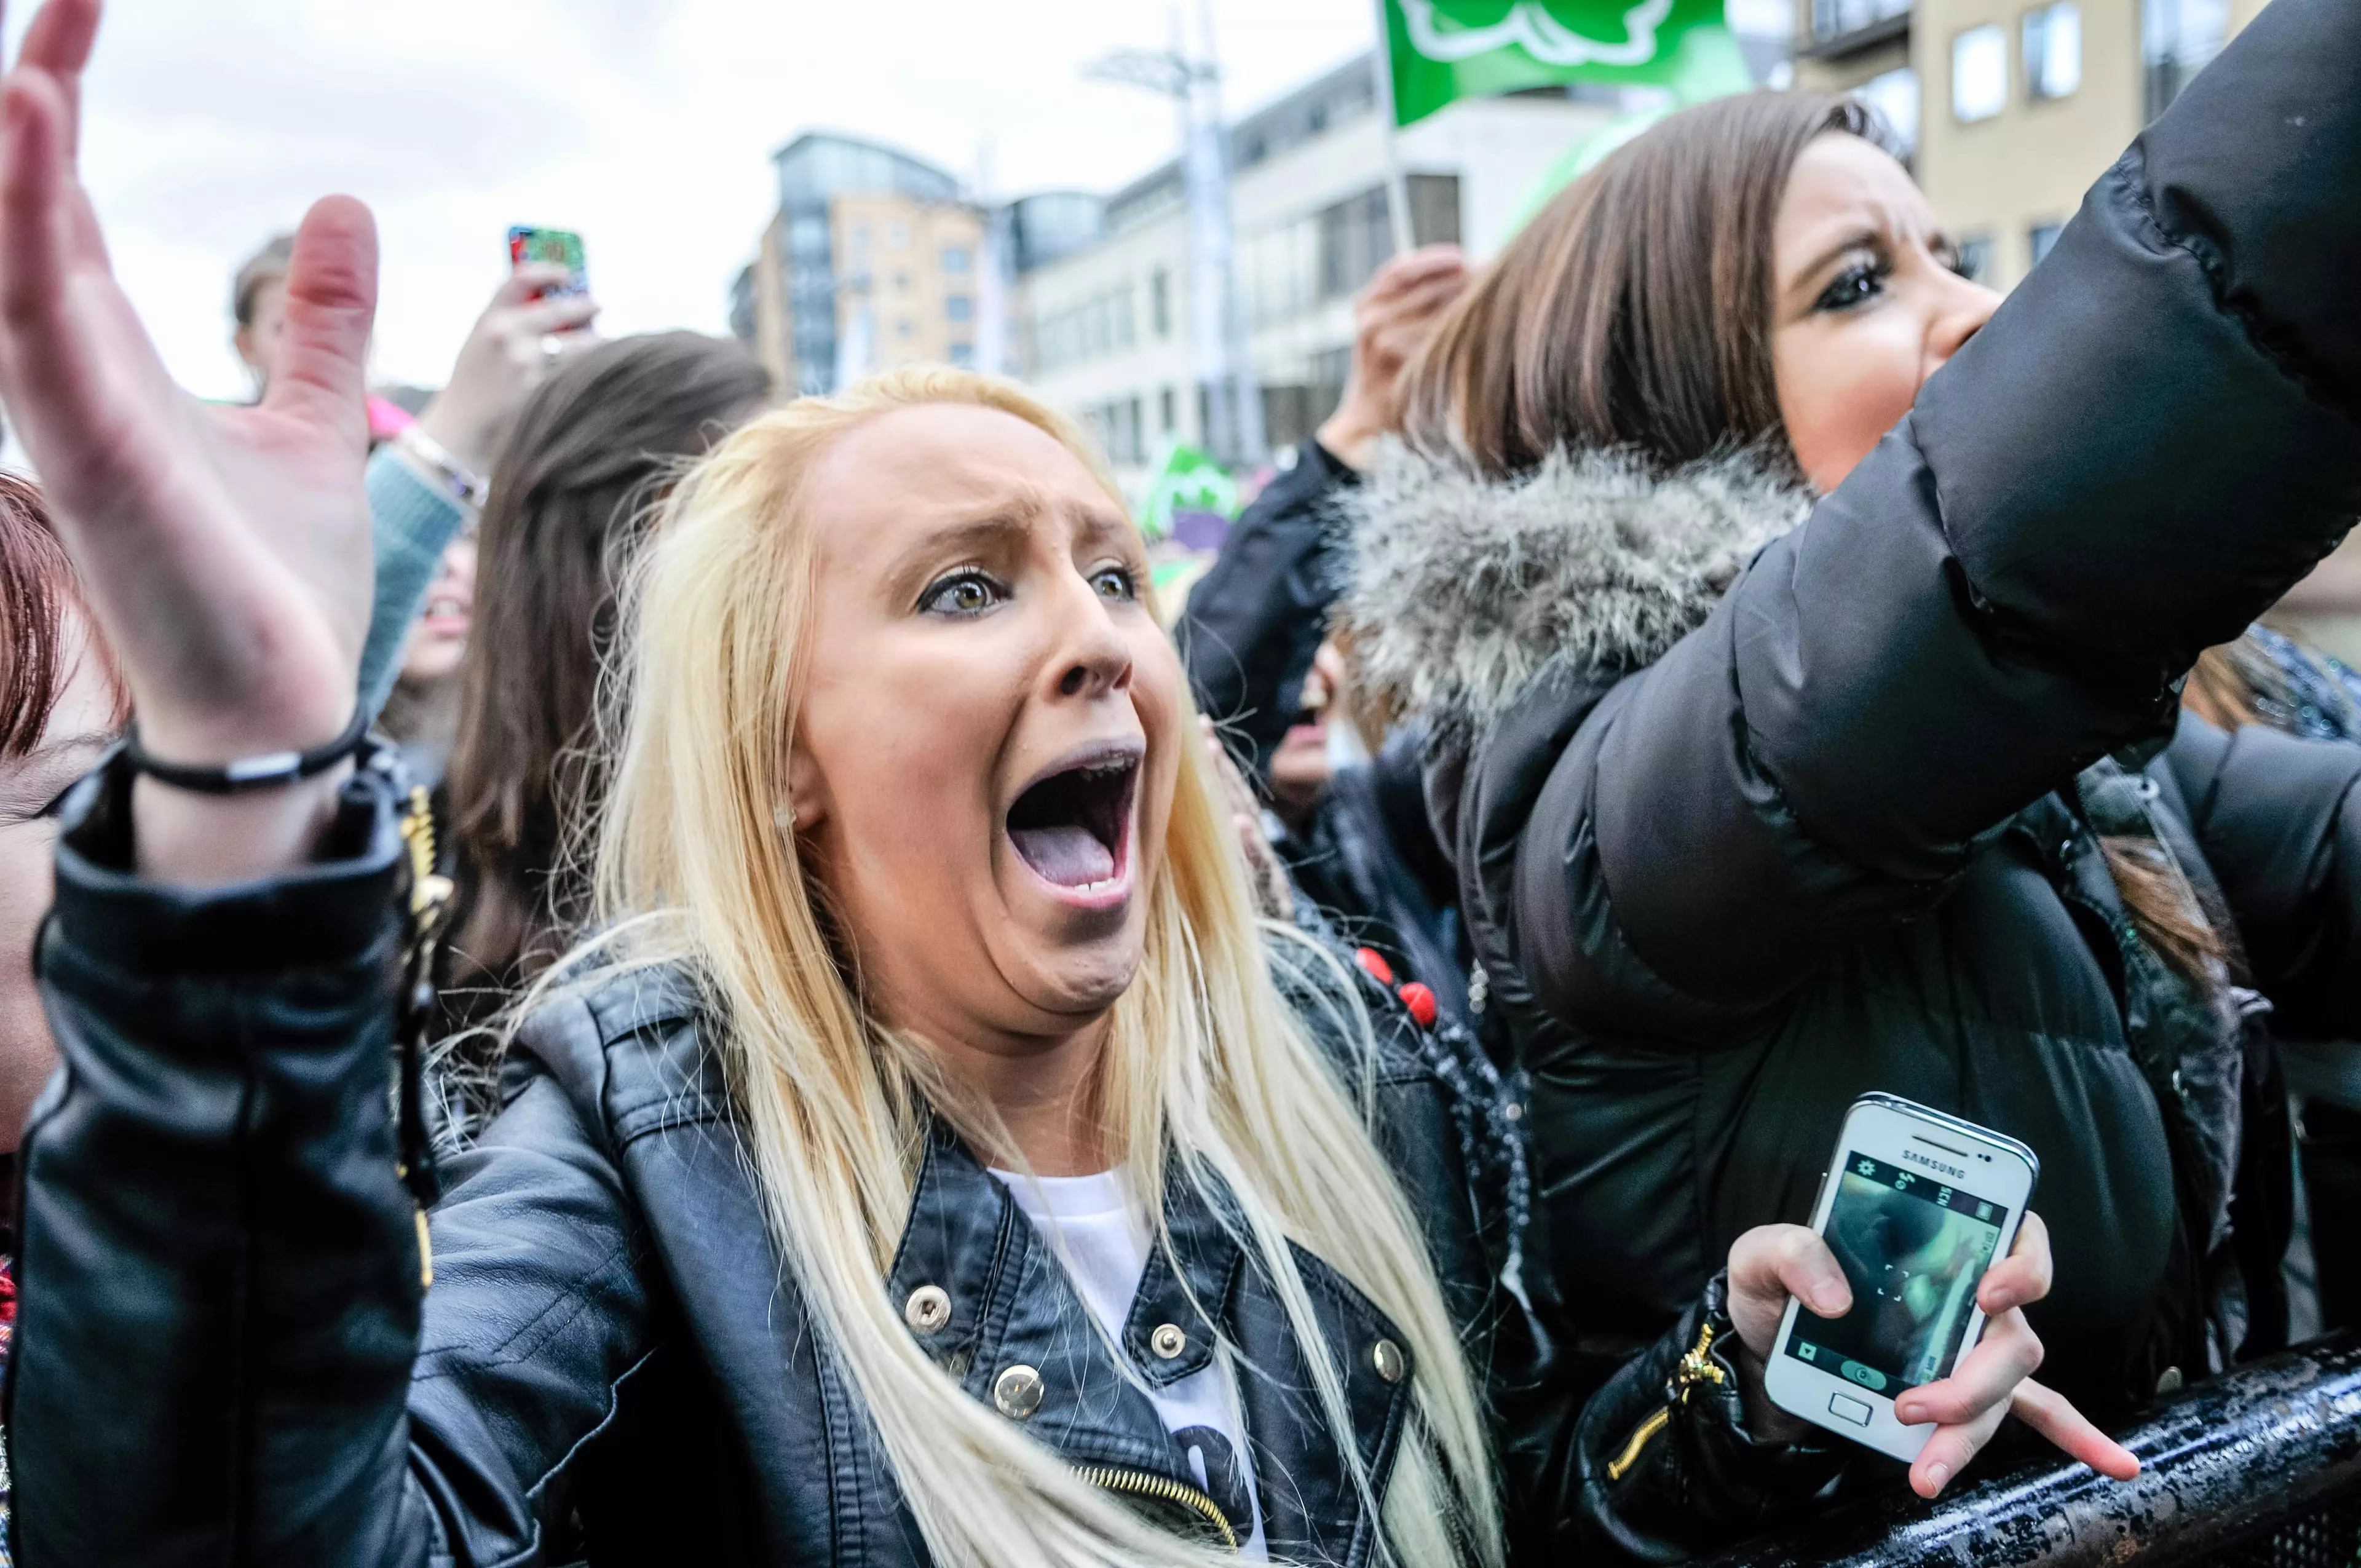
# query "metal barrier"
(2258, 1469)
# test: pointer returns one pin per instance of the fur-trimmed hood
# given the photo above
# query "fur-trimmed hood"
(1462, 589)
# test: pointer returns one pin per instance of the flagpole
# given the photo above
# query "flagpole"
(1396, 183)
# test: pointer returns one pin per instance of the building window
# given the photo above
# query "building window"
(898, 236)
(2177, 38)
(1434, 208)
(1355, 236)
(958, 308)
(1979, 73)
(1975, 258)
(1834, 18)
(901, 282)
(955, 258)
(905, 327)
(963, 355)
(2053, 51)
(1168, 411)
(2041, 239)
(1893, 97)
(1160, 304)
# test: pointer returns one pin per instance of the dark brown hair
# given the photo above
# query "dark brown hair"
(37, 587)
(1635, 312)
(594, 451)
(1634, 309)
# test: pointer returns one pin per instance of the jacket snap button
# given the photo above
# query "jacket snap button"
(1167, 1340)
(1017, 1392)
(927, 1310)
(1387, 1358)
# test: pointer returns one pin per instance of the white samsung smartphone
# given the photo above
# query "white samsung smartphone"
(1915, 1206)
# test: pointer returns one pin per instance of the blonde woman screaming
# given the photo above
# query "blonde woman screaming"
(929, 1160)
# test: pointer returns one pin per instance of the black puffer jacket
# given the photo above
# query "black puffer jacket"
(223, 1355)
(1758, 804)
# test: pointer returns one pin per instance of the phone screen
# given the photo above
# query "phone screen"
(1913, 1248)
(563, 247)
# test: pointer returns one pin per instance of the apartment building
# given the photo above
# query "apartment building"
(1104, 326)
(871, 260)
(2009, 109)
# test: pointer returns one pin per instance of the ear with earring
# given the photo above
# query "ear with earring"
(784, 817)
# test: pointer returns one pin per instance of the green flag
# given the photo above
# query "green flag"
(1444, 50)
(1707, 64)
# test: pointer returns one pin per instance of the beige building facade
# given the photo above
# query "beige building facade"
(2012, 107)
(871, 260)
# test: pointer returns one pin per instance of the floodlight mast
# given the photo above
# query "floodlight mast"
(1219, 354)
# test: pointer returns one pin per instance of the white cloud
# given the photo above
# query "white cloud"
(647, 124)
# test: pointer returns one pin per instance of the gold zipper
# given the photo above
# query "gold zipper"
(1658, 1419)
(1696, 1366)
(430, 899)
(1140, 1484)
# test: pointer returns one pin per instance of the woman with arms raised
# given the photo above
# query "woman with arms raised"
(1789, 752)
(931, 1163)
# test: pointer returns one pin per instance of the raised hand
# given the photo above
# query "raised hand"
(225, 552)
(1994, 1379)
(1392, 315)
(507, 355)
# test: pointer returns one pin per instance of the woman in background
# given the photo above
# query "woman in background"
(1800, 640)
(593, 454)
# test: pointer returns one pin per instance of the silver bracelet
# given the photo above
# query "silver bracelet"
(465, 486)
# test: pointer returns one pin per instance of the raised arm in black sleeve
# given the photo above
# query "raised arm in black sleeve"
(2152, 439)
(224, 1353)
(1256, 619)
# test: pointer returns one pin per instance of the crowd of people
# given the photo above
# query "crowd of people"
(629, 968)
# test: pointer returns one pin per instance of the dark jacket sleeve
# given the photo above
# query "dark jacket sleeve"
(2151, 440)
(1254, 619)
(1663, 1466)
(2279, 818)
(224, 1353)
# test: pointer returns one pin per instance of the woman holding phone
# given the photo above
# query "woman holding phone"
(1802, 633)
(932, 1163)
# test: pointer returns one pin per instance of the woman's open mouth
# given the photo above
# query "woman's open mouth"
(1073, 828)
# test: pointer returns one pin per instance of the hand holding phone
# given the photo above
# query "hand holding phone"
(1909, 1318)
(556, 248)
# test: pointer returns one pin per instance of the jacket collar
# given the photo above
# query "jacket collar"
(1464, 589)
(1011, 1305)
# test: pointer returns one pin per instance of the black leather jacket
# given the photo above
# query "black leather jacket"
(225, 1356)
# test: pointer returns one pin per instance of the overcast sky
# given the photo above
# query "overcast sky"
(644, 124)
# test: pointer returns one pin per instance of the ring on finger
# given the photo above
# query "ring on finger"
(552, 345)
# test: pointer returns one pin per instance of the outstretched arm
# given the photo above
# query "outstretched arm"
(2158, 433)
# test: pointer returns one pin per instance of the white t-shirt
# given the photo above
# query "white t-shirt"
(1104, 1228)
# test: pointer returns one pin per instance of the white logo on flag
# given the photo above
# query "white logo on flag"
(1541, 35)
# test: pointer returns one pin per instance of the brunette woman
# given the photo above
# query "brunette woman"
(930, 1163)
(1791, 752)
(592, 456)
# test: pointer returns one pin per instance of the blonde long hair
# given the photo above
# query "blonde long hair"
(1204, 1057)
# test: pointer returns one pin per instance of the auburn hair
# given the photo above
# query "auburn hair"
(37, 588)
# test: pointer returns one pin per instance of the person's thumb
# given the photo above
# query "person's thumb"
(331, 306)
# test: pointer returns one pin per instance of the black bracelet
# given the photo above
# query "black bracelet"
(265, 772)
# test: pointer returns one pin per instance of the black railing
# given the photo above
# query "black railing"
(2260, 1467)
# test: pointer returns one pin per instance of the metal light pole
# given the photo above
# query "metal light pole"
(1222, 358)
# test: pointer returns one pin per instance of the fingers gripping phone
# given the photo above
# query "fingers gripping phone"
(1915, 1206)
(561, 246)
